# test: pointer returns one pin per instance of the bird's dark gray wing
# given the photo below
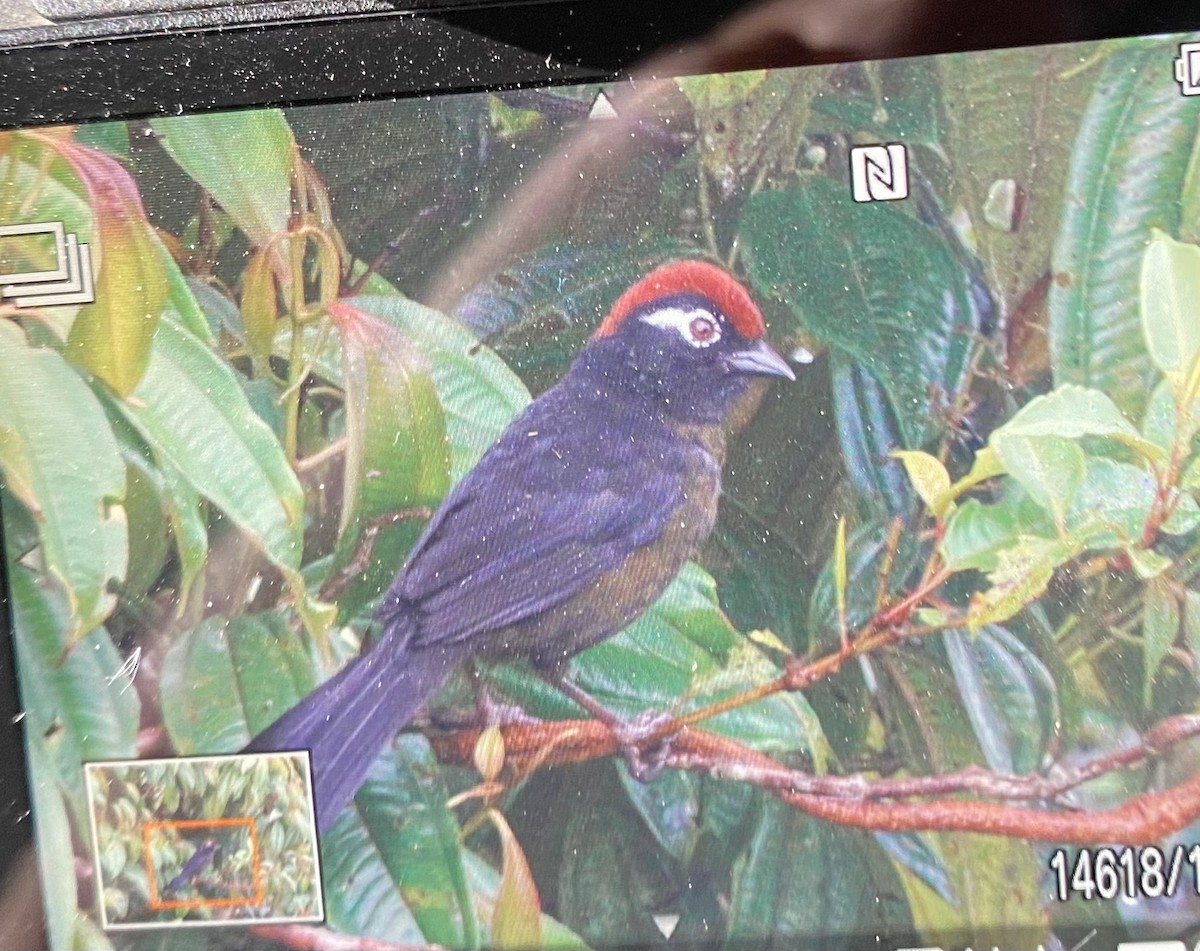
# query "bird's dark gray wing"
(532, 525)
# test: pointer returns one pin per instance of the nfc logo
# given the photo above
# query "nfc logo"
(1187, 68)
(879, 172)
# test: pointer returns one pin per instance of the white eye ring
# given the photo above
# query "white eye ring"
(695, 324)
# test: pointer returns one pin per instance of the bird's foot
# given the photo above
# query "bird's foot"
(645, 742)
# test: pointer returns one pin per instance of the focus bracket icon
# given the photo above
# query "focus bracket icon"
(70, 281)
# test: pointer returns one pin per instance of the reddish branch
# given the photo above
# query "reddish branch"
(875, 803)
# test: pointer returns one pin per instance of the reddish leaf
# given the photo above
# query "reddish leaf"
(111, 338)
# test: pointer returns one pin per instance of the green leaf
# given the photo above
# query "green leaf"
(397, 455)
(1191, 476)
(1113, 503)
(840, 576)
(929, 477)
(976, 533)
(79, 703)
(730, 112)
(194, 415)
(59, 457)
(223, 681)
(845, 270)
(1160, 417)
(478, 392)
(361, 897)
(189, 527)
(785, 888)
(401, 841)
(1160, 627)
(1049, 468)
(243, 159)
(1126, 172)
(1072, 412)
(1170, 303)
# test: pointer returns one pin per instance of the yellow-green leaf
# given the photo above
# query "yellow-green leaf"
(929, 477)
(1160, 627)
(517, 919)
(1170, 292)
(840, 575)
(260, 304)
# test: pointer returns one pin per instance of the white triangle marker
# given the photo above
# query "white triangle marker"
(602, 108)
(667, 924)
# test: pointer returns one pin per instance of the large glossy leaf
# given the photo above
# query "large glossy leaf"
(59, 457)
(397, 454)
(223, 681)
(1000, 697)
(194, 415)
(682, 653)
(1029, 99)
(393, 865)
(112, 337)
(1125, 178)
(243, 159)
(802, 877)
(612, 876)
(846, 271)
(869, 432)
(79, 704)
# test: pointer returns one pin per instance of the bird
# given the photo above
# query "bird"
(567, 529)
(204, 855)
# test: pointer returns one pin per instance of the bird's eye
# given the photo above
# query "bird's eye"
(703, 330)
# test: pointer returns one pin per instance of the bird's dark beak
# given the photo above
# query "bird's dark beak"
(759, 359)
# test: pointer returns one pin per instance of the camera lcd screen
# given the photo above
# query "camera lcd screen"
(728, 511)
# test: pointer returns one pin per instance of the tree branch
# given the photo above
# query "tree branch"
(872, 803)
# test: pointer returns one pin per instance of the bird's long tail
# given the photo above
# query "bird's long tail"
(347, 721)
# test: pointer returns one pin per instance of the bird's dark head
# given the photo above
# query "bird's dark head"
(687, 334)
